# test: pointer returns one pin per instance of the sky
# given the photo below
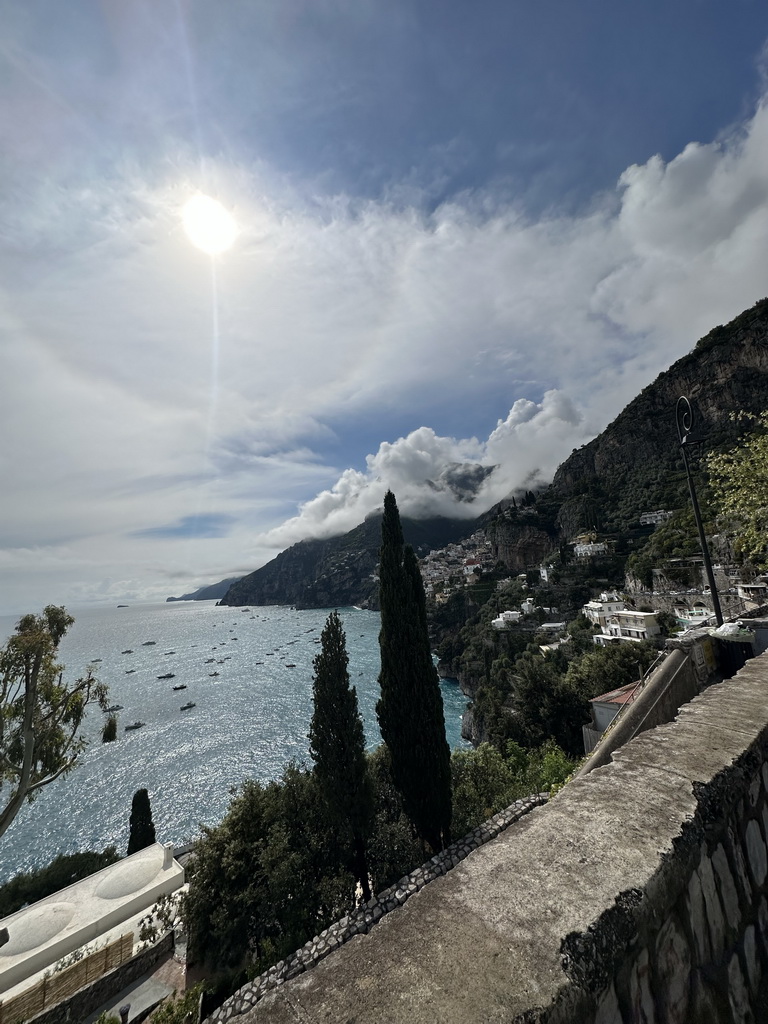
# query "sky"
(467, 234)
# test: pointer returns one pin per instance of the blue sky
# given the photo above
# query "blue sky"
(468, 234)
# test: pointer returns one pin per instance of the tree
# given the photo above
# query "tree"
(607, 668)
(142, 826)
(739, 480)
(546, 705)
(410, 709)
(267, 878)
(39, 715)
(337, 746)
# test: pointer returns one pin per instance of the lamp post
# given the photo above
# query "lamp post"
(684, 416)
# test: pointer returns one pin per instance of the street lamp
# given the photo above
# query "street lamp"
(684, 416)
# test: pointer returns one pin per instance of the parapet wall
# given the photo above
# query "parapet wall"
(638, 894)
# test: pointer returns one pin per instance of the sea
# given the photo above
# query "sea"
(248, 671)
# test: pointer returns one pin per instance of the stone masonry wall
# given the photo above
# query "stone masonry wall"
(638, 895)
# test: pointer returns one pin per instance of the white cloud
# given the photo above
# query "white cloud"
(138, 390)
(442, 476)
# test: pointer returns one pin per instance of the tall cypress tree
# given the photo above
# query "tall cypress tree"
(142, 826)
(337, 746)
(410, 709)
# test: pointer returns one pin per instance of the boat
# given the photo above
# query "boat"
(115, 707)
(167, 675)
(186, 707)
(129, 651)
(122, 606)
(181, 686)
(213, 673)
(289, 664)
(136, 725)
(149, 643)
(129, 670)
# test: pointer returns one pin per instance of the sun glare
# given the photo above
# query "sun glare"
(209, 226)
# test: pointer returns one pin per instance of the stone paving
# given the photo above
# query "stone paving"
(363, 919)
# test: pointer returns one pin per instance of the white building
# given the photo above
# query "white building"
(599, 612)
(590, 549)
(604, 709)
(98, 908)
(653, 518)
(691, 618)
(628, 625)
(504, 620)
(753, 594)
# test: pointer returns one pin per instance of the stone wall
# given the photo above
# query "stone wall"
(638, 895)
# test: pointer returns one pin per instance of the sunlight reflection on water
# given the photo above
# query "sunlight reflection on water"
(248, 722)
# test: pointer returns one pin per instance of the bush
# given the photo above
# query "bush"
(181, 1010)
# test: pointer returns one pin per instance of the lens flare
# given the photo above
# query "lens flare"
(208, 224)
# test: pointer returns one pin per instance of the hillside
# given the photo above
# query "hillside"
(214, 592)
(635, 464)
(338, 572)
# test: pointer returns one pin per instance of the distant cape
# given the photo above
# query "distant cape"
(214, 592)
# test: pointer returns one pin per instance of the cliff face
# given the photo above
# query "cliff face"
(517, 544)
(338, 572)
(638, 454)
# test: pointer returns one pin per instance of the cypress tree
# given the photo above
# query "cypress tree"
(410, 709)
(142, 827)
(337, 746)
(109, 732)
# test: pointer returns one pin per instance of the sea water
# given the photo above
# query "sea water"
(249, 673)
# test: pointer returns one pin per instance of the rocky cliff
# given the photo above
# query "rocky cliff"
(635, 464)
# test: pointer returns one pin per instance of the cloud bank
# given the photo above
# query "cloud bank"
(172, 420)
(440, 476)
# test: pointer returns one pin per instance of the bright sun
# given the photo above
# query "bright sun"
(209, 226)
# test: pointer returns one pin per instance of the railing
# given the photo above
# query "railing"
(55, 988)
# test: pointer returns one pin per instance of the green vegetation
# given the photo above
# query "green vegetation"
(61, 872)
(179, 1010)
(739, 480)
(268, 877)
(40, 716)
(109, 732)
(486, 780)
(142, 827)
(520, 694)
(337, 746)
(275, 872)
(410, 710)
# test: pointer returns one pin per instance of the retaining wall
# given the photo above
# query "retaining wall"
(76, 1008)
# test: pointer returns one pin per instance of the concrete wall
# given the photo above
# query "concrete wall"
(690, 666)
(83, 1003)
(638, 894)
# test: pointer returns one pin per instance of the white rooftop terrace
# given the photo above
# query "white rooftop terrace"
(48, 930)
